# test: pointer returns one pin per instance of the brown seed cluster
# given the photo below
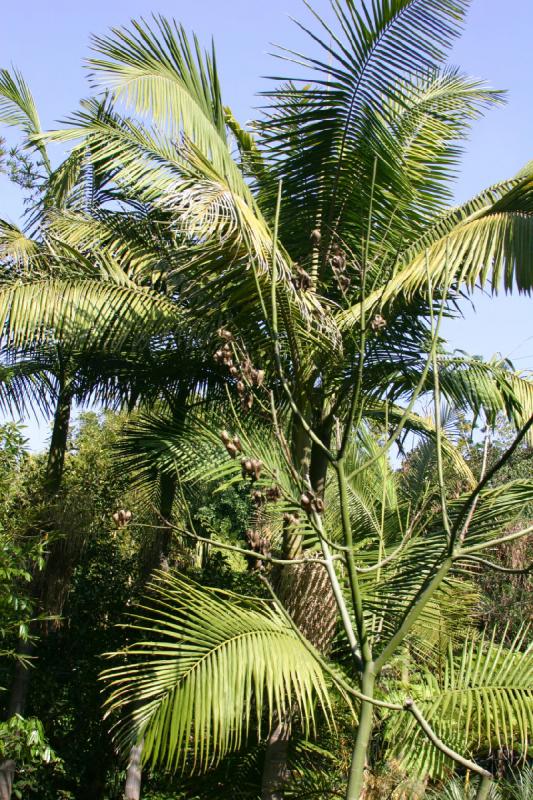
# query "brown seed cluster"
(224, 355)
(302, 281)
(251, 468)
(310, 502)
(231, 443)
(121, 518)
(291, 520)
(337, 262)
(315, 237)
(273, 494)
(260, 544)
(247, 375)
(378, 323)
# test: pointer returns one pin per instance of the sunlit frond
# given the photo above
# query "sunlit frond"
(208, 668)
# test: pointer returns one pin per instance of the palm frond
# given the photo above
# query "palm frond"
(81, 313)
(18, 109)
(206, 670)
(483, 701)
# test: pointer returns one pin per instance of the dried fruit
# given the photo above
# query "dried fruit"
(121, 518)
(315, 237)
(378, 323)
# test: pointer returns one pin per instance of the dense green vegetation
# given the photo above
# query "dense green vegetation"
(261, 570)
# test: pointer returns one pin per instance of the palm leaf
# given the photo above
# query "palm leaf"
(485, 700)
(82, 313)
(207, 669)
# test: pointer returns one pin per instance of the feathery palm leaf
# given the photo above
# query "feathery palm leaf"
(484, 700)
(208, 666)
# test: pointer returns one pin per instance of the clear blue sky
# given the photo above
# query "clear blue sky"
(48, 42)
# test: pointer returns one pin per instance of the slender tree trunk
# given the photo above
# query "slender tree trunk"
(364, 729)
(158, 559)
(275, 766)
(52, 481)
(58, 442)
(20, 683)
(132, 790)
(7, 773)
(484, 788)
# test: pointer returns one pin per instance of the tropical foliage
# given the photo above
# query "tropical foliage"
(263, 307)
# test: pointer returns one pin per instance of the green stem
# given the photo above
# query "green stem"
(483, 791)
(364, 730)
(364, 643)
(436, 403)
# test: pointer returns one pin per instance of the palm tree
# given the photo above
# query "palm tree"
(366, 246)
(336, 204)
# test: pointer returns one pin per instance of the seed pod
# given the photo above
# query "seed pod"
(338, 263)
(233, 371)
(315, 237)
(237, 443)
(378, 323)
(240, 387)
(257, 497)
(257, 466)
(259, 377)
(319, 505)
(303, 280)
(247, 402)
(246, 368)
(223, 333)
(224, 435)
(232, 450)
(273, 493)
(305, 501)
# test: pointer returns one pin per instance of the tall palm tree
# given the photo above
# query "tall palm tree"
(337, 201)
(364, 149)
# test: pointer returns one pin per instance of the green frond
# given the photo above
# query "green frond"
(205, 670)
(18, 109)
(81, 313)
(483, 700)
(16, 248)
(157, 72)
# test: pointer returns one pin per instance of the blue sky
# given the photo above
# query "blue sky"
(48, 42)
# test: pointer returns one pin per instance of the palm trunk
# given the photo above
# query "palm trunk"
(485, 785)
(21, 677)
(303, 590)
(7, 773)
(275, 767)
(158, 558)
(134, 773)
(58, 442)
